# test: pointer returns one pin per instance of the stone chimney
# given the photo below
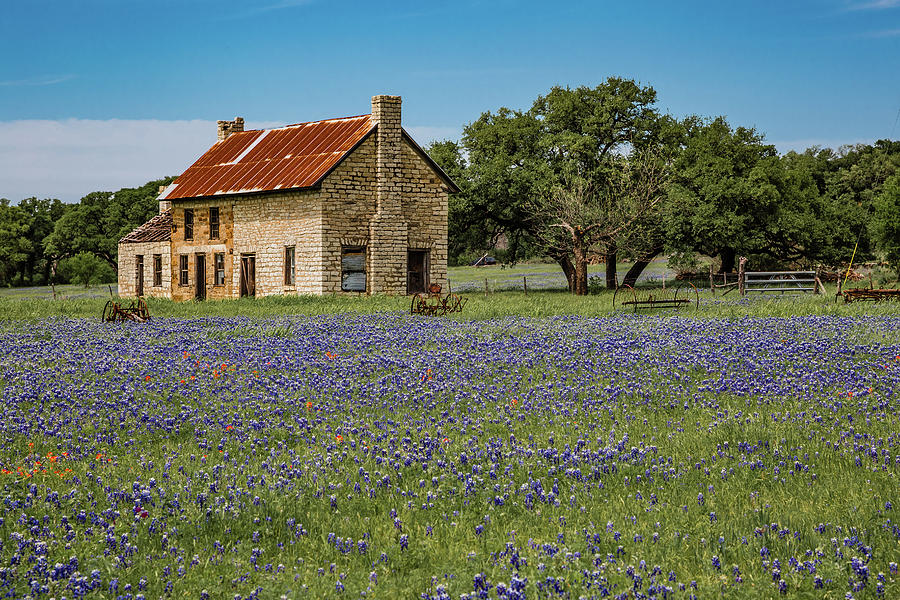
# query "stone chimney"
(226, 128)
(386, 114)
(164, 205)
(388, 239)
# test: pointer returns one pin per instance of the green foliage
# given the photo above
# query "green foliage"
(86, 268)
(721, 191)
(14, 243)
(100, 219)
(684, 262)
(886, 224)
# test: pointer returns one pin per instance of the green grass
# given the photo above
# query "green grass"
(546, 296)
(479, 306)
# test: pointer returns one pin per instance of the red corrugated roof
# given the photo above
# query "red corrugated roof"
(296, 156)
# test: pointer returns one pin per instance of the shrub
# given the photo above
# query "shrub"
(86, 268)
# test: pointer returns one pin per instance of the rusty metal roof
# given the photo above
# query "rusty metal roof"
(157, 229)
(291, 157)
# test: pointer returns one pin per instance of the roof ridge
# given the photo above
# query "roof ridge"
(304, 123)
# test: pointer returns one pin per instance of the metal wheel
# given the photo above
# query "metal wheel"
(696, 296)
(142, 310)
(688, 291)
(109, 311)
(419, 305)
(627, 292)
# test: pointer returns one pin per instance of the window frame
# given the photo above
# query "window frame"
(214, 223)
(157, 270)
(217, 257)
(345, 250)
(188, 224)
(290, 266)
(183, 270)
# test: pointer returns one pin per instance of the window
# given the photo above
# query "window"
(157, 270)
(353, 268)
(289, 265)
(219, 264)
(213, 222)
(188, 223)
(182, 269)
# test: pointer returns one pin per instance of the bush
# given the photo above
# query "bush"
(685, 264)
(886, 224)
(86, 268)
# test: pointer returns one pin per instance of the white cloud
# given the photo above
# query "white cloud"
(874, 5)
(884, 33)
(265, 8)
(70, 158)
(36, 81)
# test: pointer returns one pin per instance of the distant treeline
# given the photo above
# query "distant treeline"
(44, 240)
(585, 174)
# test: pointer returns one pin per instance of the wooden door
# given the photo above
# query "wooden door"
(248, 275)
(139, 275)
(416, 271)
(200, 279)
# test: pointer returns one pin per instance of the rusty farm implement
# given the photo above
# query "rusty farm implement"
(136, 311)
(434, 304)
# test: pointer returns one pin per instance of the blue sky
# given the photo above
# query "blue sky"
(101, 94)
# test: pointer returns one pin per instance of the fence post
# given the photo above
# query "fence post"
(712, 286)
(485, 286)
(525, 284)
(741, 287)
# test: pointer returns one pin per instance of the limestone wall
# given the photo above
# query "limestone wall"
(264, 226)
(203, 244)
(127, 265)
(425, 210)
(348, 203)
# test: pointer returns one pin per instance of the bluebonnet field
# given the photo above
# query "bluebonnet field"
(391, 456)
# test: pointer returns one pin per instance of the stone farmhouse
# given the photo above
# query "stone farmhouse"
(350, 205)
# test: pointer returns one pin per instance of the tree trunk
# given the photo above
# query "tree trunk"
(638, 267)
(112, 261)
(581, 269)
(568, 270)
(611, 256)
(727, 257)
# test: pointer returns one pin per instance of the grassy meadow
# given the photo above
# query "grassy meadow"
(539, 446)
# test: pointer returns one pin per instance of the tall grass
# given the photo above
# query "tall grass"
(478, 306)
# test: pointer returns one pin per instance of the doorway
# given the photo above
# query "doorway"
(248, 275)
(139, 275)
(416, 271)
(200, 262)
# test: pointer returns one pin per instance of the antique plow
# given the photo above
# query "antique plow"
(648, 299)
(869, 295)
(433, 304)
(136, 311)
